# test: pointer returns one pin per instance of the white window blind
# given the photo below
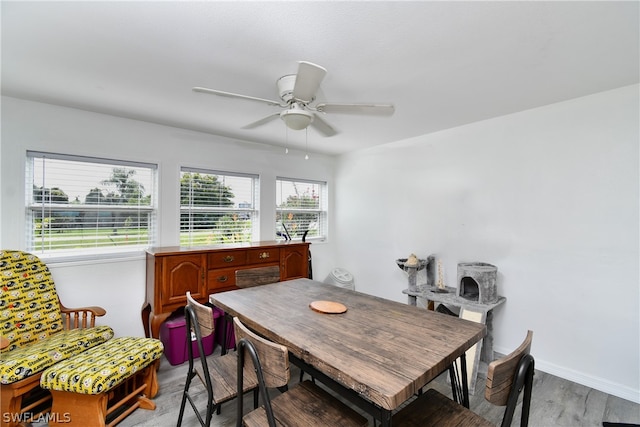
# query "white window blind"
(80, 205)
(301, 205)
(217, 207)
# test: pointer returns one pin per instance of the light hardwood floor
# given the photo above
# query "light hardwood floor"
(555, 402)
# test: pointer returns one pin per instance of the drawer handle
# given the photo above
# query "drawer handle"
(228, 258)
(263, 255)
(223, 279)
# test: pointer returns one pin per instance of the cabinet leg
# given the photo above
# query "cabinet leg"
(156, 321)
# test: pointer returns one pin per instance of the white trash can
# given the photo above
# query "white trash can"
(341, 278)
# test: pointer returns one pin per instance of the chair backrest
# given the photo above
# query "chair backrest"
(29, 304)
(257, 276)
(204, 316)
(508, 376)
(269, 360)
(199, 322)
(273, 358)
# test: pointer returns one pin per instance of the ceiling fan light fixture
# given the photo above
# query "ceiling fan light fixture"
(297, 93)
(296, 118)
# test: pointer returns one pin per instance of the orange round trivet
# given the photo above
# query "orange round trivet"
(328, 307)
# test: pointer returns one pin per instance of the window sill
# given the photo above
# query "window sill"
(90, 259)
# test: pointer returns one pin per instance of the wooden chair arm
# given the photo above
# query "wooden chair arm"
(94, 309)
(81, 317)
(4, 342)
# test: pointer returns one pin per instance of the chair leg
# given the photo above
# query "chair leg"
(182, 405)
(209, 415)
(184, 397)
(10, 405)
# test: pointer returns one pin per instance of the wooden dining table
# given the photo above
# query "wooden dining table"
(377, 354)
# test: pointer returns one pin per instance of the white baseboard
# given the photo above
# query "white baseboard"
(601, 384)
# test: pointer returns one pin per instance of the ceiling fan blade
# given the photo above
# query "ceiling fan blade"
(370, 109)
(308, 81)
(322, 126)
(236, 95)
(260, 122)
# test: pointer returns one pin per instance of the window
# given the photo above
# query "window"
(81, 205)
(217, 207)
(300, 206)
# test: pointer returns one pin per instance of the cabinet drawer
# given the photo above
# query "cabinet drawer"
(221, 278)
(262, 256)
(227, 259)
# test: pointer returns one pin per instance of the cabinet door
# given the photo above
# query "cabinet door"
(182, 273)
(294, 262)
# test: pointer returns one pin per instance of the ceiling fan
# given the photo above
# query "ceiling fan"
(297, 93)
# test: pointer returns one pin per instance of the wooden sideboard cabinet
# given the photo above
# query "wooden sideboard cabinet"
(172, 271)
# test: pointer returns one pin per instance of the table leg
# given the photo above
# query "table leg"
(455, 387)
(465, 384)
(460, 395)
(385, 420)
(377, 412)
(226, 320)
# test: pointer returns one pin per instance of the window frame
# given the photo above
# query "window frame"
(253, 211)
(36, 209)
(322, 211)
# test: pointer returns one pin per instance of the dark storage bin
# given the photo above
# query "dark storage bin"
(173, 334)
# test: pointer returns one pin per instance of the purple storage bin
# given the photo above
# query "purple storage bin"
(173, 334)
(231, 336)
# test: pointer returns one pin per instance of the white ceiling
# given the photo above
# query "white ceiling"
(442, 64)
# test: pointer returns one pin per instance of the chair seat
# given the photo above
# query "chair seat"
(23, 362)
(435, 409)
(103, 367)
(224, 377)
(323, 409)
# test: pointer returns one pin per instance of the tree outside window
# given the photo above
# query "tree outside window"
(216, 208)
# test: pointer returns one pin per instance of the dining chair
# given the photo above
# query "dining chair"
(259, 276)
(303, 405)
(247, 278)
(507, 377)
(219, 374)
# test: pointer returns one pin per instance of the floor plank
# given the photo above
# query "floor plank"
(555, 402)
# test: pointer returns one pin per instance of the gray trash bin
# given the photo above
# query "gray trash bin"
(341, 278)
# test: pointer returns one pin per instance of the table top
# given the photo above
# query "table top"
(382, 349)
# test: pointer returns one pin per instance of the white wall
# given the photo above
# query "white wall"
(118, 285)
(550, 196)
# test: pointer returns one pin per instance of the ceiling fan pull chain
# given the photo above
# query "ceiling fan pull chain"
(286, 140)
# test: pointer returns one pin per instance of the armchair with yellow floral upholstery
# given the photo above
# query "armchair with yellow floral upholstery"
(36, 331)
